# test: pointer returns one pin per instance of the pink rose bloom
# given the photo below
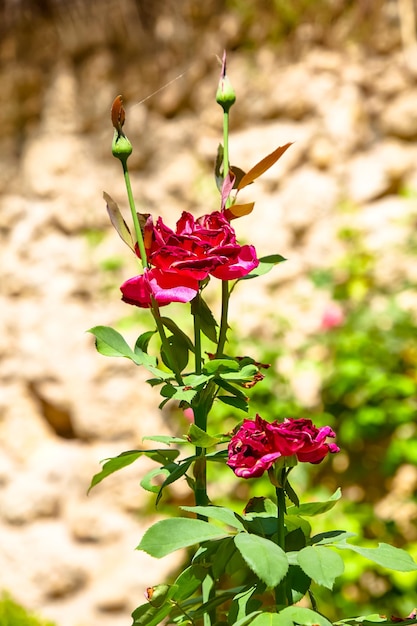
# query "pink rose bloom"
(258, 444)
(165, 287)
(200, 247)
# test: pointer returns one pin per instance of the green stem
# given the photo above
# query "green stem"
(223, 319)
(167, 348)
(201, 410)
(138, 231)
(197, 340)
(225, 144)
(280, 590)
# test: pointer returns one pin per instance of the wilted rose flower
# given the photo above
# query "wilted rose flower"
(258, 444)
(164, 287)
(199, 247)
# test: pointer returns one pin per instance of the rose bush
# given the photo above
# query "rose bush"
(258, 444)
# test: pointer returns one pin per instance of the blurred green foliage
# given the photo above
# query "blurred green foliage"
(12, 614)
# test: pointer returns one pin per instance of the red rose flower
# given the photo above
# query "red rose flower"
(165, 287)
(200, 247)
(258, 444)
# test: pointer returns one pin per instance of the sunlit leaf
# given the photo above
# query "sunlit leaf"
(175, 472)
(384, 555)
(267, 560)
(266, 264)
(147, 481)
(176, 330)
(238, 210)
(305, 616)
(263, 166)
(315, 508)
(200, 438)
(238, 403)
(169, 535)
(189, 581)
(221, 365)
(321, 564)
(207, 323)
(219, 513)
(118, 221)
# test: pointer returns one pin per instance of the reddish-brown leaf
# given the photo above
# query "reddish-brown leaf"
(263, 166)
(238, 210)
(118, 221)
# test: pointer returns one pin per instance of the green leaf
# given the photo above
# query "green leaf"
(385, 555)
(111, 343)
(195, 380)
(118, 221)
(172, 392)
(200, 438)
(244, 603)
(237, 403)
(304, 616)
(165, 439)
(170, 535)
(271, 619)
(267, 560)
(248, 619)
(146, 482)
(225, 548)
(178, 352)
(126, 458)
(292, 496)
(177, 332)
(219, 513)
(175, 473)
(315, 508)
(232, 389)
(321, 564)
(245, 374)
(142, 342)
(298, 582)
(224, 365)
(189, 581)
(331, 536)
(115, 464)
(205, 317)
(266, 264)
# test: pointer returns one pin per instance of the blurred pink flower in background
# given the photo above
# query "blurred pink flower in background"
(333, 316)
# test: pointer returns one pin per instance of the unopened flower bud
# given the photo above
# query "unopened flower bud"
(225, 95)
(121, 146)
